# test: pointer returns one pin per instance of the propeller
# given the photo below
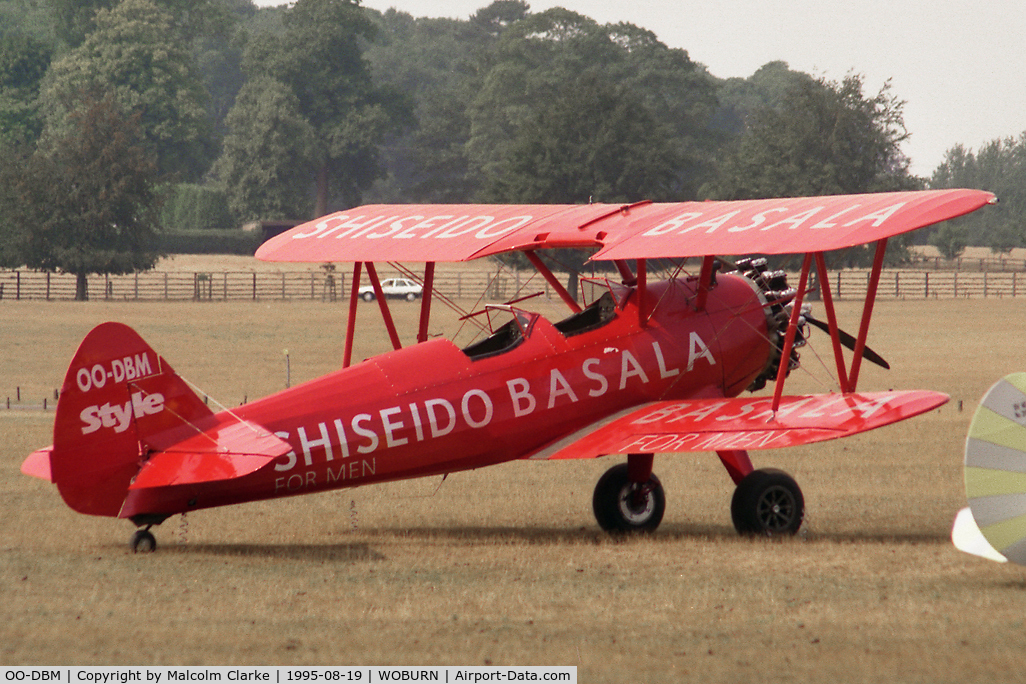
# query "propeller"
(848, 341)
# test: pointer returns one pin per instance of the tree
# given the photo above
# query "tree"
(539, 62)
(596, 141)
(951, 239)
(268, 154)
(74, 20)
(437, 63)
(136, 52)
(23, 63)
(1000, 167)
(826, 138)
(83, 202)
(742, 98)
(319, 59)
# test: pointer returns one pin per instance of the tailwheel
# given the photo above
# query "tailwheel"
(621, 505)
(143, 541)
(767, 502)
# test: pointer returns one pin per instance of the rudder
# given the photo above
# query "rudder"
(119, 400)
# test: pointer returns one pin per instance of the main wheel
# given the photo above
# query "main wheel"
(767, 502)
(624, 506)
(367, 296)
(143, 541)
(410, 296)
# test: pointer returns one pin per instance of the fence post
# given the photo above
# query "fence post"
(926, 286)
(955, 286)
(254, 286)
(1013, 283)
(897, 287)
(17, 285)
(984, 284)
(837, 289)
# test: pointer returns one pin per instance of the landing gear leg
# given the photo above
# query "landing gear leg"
(737, 463)
(629, 498)
(143, 541)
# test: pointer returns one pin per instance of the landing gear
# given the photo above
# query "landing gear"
(767, 502)
(143, 541)
(622, 504)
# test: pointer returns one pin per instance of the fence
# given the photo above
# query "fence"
(904, 284)
(319, 285)
(227, 286)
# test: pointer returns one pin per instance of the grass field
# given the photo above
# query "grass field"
(506, 565)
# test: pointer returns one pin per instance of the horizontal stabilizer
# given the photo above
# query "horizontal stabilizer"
(38, 464)
(228, 451)
(745, 424)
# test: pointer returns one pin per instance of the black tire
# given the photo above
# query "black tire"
(367, 296)
(143, 541)
(769, 503)
(623, 506)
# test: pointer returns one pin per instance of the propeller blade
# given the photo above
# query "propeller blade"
(848, 341)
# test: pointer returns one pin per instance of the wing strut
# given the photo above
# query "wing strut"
(347, 355)
(425, 301)
(386, 313)
(642, 287)
(835, 335)
(792, 329)
(848, 380)
(626, 274)
(867, 312)
(551, 280)
(705, 277)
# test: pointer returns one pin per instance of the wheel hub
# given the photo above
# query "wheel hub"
(636, 502)
(776, 509)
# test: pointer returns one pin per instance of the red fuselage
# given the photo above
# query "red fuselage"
(433, 408)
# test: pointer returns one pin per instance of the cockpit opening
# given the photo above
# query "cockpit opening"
(597, 314)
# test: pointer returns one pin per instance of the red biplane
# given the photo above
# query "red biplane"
(646, 367)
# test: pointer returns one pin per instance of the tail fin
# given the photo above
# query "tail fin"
(119, 398)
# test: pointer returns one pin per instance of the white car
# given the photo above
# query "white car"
(399, 288)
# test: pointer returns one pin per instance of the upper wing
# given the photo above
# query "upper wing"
(743, 424)
(639, 231)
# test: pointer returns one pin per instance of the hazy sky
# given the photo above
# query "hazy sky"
(959, 65)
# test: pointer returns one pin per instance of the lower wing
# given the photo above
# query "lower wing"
(742, 424)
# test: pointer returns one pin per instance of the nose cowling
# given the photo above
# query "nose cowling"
(778, 302)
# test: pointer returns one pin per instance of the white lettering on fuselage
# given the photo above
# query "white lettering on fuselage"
(119, 370)
(348, 446)
(120, 417)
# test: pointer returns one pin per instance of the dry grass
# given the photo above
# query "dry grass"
(506, 565)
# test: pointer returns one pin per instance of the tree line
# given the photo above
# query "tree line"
(226, 113)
